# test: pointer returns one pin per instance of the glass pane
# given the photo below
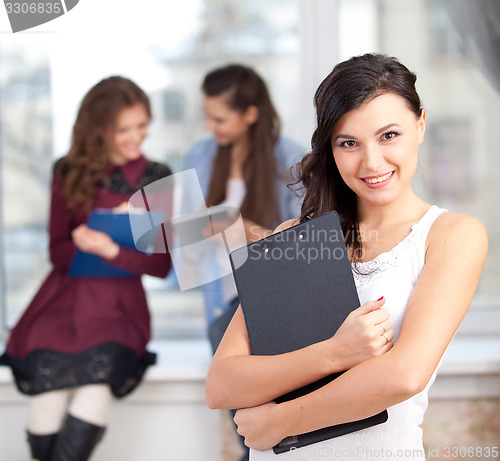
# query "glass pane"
(26, 149)
(44, 78)
(462, 149)
(262, 34)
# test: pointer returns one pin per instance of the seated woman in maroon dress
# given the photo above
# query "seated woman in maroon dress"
(83, 339)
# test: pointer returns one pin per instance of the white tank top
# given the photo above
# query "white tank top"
(235, 192)
(392, 274)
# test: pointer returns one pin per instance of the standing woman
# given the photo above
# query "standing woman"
(244, 164)
(83, 340)
(420, 262)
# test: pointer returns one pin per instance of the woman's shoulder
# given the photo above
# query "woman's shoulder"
(458, 231)
(202, 146)
(289, 148)
(287, 154)
(157, 169)
(452, 222)
(60, 166)
(201, 154)
(287, 224)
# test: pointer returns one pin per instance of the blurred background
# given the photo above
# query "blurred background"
(166, 47)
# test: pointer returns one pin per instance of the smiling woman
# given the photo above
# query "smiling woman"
(245, 165)
(407, 258)
(130, 130)
(377, 155)
(83, 339)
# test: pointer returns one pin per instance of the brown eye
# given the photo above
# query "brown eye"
(391, 135)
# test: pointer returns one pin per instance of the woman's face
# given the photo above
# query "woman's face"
(129, 133)
(375, 148)
(228, 125)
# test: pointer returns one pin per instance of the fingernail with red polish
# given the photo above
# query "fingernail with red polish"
(380, 299)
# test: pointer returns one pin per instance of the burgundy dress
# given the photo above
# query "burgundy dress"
(85, 330)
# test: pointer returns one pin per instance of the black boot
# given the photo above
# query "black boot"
(76, 440)
(41, 445)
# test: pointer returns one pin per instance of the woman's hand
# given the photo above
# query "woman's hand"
(260, 426)
(365, 333)
(95, 242)
(123, 207)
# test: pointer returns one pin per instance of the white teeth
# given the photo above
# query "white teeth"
(379, 179)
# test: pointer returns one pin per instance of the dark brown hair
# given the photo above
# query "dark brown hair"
(351, 84)
(243, 87)
(88, 155)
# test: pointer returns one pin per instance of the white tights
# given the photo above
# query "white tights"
(47, 410)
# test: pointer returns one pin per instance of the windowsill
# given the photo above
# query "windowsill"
(180, 360)
(472, 355)
(470, 369)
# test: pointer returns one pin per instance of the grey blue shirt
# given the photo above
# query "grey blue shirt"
(201, 157)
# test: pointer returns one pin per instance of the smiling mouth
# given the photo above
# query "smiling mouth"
(377, 179)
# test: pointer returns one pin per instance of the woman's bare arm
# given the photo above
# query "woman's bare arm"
(456, 252)
(237, 379)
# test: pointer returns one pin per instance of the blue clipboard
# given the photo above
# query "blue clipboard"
(118, 227)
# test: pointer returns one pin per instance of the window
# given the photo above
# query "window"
(461, 151)
(173, 106)
(450, 167)
(26, 151)
(446, 42)
(293, 44)
(42, 81)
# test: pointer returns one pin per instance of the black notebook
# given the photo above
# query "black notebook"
(296, 288)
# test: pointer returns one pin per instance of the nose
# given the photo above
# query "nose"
(373, 157)
(139, 135)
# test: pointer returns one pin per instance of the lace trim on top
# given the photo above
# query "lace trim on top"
(364, 272)
(117, 183)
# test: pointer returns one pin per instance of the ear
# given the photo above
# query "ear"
(251, 115)
(421, 127)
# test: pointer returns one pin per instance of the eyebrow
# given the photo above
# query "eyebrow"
(379, 131)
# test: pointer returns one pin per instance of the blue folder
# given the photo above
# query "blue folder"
(118, 227)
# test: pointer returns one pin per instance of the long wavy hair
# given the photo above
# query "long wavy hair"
(350, 84)
(88, 155)
(242, 87)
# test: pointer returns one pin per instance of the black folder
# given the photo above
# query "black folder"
(296, 288)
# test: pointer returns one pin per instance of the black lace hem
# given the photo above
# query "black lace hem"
(111, 363)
